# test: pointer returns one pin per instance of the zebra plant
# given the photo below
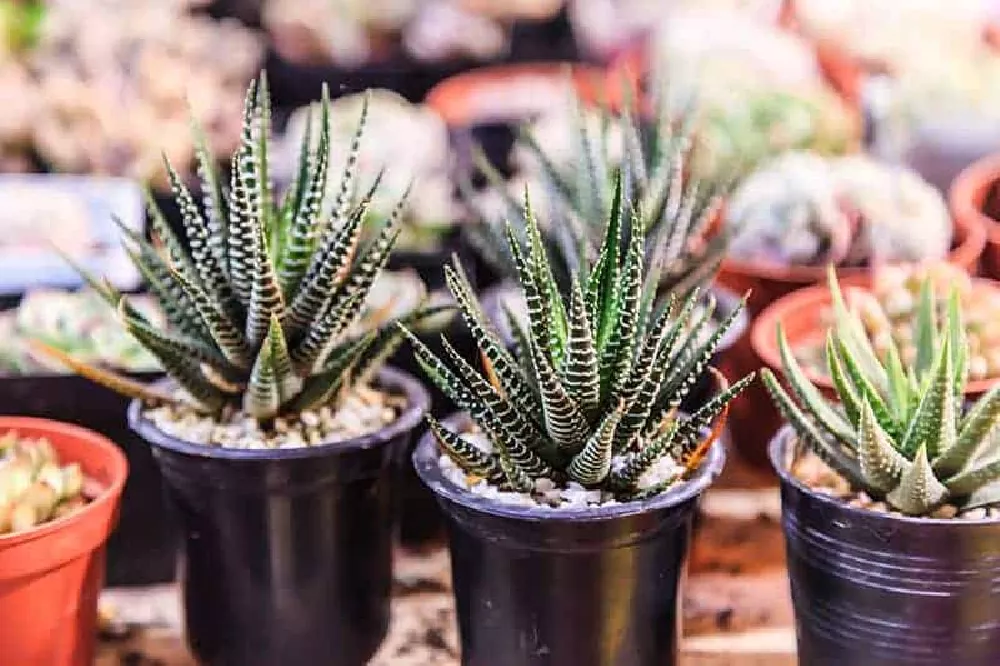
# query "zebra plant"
(261, 299)
(899, 434)
(674, 212)
(591, 394)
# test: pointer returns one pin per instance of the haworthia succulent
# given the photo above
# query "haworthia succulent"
(912, 446)
(260, 301)
(549, 407)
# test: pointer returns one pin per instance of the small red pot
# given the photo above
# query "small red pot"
(457, 98)
(966, 198)
(51, 575)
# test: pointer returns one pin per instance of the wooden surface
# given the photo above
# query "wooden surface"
(736, 606)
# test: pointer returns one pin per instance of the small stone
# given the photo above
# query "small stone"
(544, 485)
(979, 513)
(945, 511)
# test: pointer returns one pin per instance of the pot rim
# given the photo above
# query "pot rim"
(762, 331)
(417, 398)
(969, 238)
(967, 193)
(109, 494)
(425, 461)
(778, 452)
(449, 98)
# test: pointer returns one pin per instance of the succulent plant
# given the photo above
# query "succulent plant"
(806, 209)
(34, 487)
(79, 323)
(899, 432)
(259, 304)
(674, 212)
(591, 394)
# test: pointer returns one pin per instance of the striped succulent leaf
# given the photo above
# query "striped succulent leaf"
(262, 290)
(898, 433)
(590, 413)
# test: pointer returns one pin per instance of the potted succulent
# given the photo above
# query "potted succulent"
(142, 550)
(889, 501)
(571, 461)
(973, 199)
(60, 487)
(279, 435)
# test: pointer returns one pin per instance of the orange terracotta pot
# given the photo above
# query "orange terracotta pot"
(471, 96)
(51, 575)
(801, 315)
(966, 198)
(769, 282)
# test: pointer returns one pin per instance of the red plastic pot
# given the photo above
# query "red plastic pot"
(967, 197)
(51, 575)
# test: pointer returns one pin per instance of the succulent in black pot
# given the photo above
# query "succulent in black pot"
(279, 433)
(570, 500)
(890, 499)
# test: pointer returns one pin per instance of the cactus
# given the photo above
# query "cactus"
(899, 432)
(592, 392)
(805, 209)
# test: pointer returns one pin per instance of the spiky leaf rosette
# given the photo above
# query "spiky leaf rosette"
(592, 394)
(262, 295)
(674, 212)
(898, 433)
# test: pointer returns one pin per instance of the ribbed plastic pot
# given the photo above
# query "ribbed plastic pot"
(580, 587)
(51, 575)
(876, 589)
(143, 550)
(287, 554)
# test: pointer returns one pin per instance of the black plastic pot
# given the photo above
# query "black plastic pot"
(877, 589)
(580, 587)
(143, 548)
(287, 554)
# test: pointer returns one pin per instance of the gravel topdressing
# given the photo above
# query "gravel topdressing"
(360, 412)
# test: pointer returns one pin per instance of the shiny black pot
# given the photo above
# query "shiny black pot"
(582, 587)
(877, 589)
(287, 554)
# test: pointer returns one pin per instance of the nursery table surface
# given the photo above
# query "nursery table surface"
(736, 606)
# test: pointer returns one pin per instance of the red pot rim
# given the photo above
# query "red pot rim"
(969, 236)
(452, 97)
(967, 194)
(103, 455)
(813, 301)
